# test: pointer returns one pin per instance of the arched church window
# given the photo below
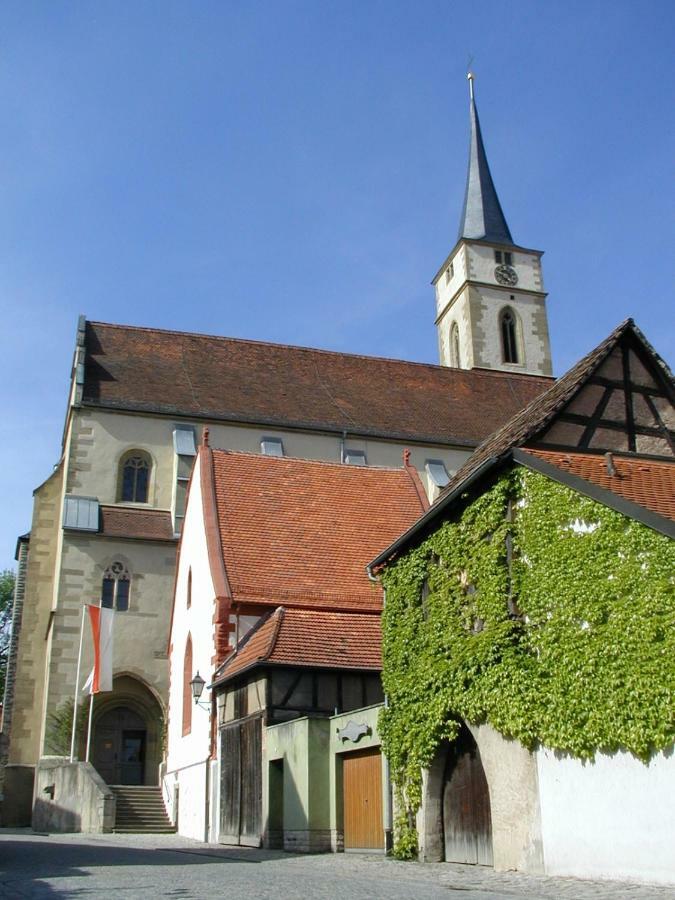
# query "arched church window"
(454, 346)
(115, 587)
(187, 689)
(509, 337)
(135, 477)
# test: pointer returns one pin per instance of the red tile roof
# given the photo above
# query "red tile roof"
(129, 522)
(216, 378)
(643, 481)
(311, 639)
(300, 532)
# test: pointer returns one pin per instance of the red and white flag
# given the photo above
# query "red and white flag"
(100, 678)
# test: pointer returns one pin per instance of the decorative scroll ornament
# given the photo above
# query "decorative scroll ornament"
(353, 731)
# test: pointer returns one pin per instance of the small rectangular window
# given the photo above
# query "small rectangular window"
(437, 472)
(508, 258)
(449, 272)
(498, 256)
(80, 513)
(272, 446)
(184, 440)
(355, 458)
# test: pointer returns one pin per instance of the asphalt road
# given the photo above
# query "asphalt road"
(126, 867)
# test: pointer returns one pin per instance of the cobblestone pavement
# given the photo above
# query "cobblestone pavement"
(138, 866)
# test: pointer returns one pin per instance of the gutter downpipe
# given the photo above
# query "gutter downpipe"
(388, 793)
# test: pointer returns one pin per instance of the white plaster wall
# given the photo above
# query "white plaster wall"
(446, 289)
(612, 818)
(186, 754)
(192, 786)
(460, 313)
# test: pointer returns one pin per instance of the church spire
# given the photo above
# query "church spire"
(482, 216)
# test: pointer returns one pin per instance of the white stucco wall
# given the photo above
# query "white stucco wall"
(612, 818)
(186, 754)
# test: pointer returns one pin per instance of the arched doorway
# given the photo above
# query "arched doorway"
(465, 804)
(455, 821)
(127, 734)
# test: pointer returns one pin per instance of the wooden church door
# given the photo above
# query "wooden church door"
(467, 823)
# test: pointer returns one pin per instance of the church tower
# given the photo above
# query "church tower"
(490, 298)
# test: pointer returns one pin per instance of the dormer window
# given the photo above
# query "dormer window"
(437, 472)
(355, 458)
(503, 257)
(272, 446)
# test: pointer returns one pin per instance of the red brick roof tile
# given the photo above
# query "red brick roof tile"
(130, 522)
(311, 639)
(300, 532)
(225, 379)
(643, 481)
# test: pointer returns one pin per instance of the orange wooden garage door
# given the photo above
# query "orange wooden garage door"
(362, 786)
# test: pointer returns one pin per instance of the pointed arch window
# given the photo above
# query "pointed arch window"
(115, 587)
(134, 479)
(189, 588)
(454, 346)
(187, 690)
(509, 334)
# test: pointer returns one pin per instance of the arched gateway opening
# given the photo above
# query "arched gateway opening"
(457, 817)
(127, 731)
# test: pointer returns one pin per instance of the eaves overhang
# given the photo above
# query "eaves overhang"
(594, 492)
(426, 522)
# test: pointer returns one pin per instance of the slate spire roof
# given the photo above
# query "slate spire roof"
(482, 216)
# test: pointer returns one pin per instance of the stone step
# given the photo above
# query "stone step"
(140, 810)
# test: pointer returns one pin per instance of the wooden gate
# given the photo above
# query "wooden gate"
(467, 822)
(362, 793)
(241, 782)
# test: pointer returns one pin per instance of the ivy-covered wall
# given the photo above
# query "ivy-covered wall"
(539, 611)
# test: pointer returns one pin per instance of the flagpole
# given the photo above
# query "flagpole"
(77, 689)
(91, 710)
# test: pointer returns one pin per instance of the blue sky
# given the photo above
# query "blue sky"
(294, 172)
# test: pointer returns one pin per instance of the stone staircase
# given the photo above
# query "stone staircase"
(140, 810)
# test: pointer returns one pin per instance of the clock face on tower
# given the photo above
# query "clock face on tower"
(506, 275)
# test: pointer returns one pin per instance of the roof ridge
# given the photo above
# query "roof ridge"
(300, 347)
(326, 463)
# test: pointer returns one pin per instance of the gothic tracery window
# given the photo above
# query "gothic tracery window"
(135, 477)
(454, 345)
(115, 587)
(509, 337)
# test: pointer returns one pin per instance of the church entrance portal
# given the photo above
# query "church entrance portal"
(127, 733)
(119, 747)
